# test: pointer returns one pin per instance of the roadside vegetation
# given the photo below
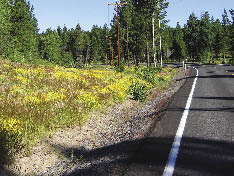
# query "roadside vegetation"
(36, 100)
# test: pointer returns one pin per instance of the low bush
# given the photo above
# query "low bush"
(138, 89)
(148, 74)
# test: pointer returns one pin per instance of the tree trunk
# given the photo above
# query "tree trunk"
(135, 61)
(110, 54)
(86, 58)
(127, 47)
(160, 41)
(148, 56)
(106, 59)
(167, 54)
(154, 48)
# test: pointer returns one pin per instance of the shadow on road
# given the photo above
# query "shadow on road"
(211, 76)
(210, 72)
(6, 172)
(206, 156)
(215, 98)
(231, 109)
(217, 76)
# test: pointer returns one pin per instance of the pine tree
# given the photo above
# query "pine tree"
(65, 37)
(225, 20)
(59, 31)
(204, 47)
(95, 45)
(4, 27)
(231, 49)
(126, 26)
(86, 51)
(105, 44)
(218, 38)
(167, 36)
(23, 31)
(191, 36)
(50, 46)
(77, 44)
(178, 44)
(226, 25)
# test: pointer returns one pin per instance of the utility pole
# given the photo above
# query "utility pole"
(117, 6)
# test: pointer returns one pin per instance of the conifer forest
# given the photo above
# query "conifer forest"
(202, 38)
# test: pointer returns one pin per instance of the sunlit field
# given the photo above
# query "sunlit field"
(35, 100)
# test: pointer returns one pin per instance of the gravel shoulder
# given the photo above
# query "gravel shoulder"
(103, 145)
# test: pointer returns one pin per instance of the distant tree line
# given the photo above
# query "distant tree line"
(204, 38)
(20, 39)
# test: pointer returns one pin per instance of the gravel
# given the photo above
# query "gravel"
(103, 145)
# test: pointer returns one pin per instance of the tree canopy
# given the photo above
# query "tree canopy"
(201, 38)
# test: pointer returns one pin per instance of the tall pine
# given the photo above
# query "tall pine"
(23, 31)
(50, 46)
(178, 44)
(226, 25)
(5, 26)
(231, 49)
(218, 38)
(192, 35)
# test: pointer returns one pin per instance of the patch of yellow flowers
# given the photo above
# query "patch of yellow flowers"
(45, 97)
(53, 96)
(10, 135)
(31, 99)
(88, 99)
(120, 88)
(39, 94)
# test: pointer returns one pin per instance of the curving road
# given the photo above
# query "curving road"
(207, 143)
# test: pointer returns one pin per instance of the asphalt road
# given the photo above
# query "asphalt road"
(207, 145)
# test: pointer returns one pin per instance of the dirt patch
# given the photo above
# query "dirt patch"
(80, 148)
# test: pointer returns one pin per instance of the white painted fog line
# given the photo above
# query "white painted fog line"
(169, 169)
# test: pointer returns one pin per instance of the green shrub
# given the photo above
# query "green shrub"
(138, 89)
(17, 56)
(148, 74)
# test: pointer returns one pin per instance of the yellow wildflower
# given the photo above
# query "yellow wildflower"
(54, 96)
(88, 99)
(32, 99)
(22, 79)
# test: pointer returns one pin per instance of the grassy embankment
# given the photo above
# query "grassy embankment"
(36, 100)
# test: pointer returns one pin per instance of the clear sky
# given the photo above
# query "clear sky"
(53, 13)
(179, 10)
